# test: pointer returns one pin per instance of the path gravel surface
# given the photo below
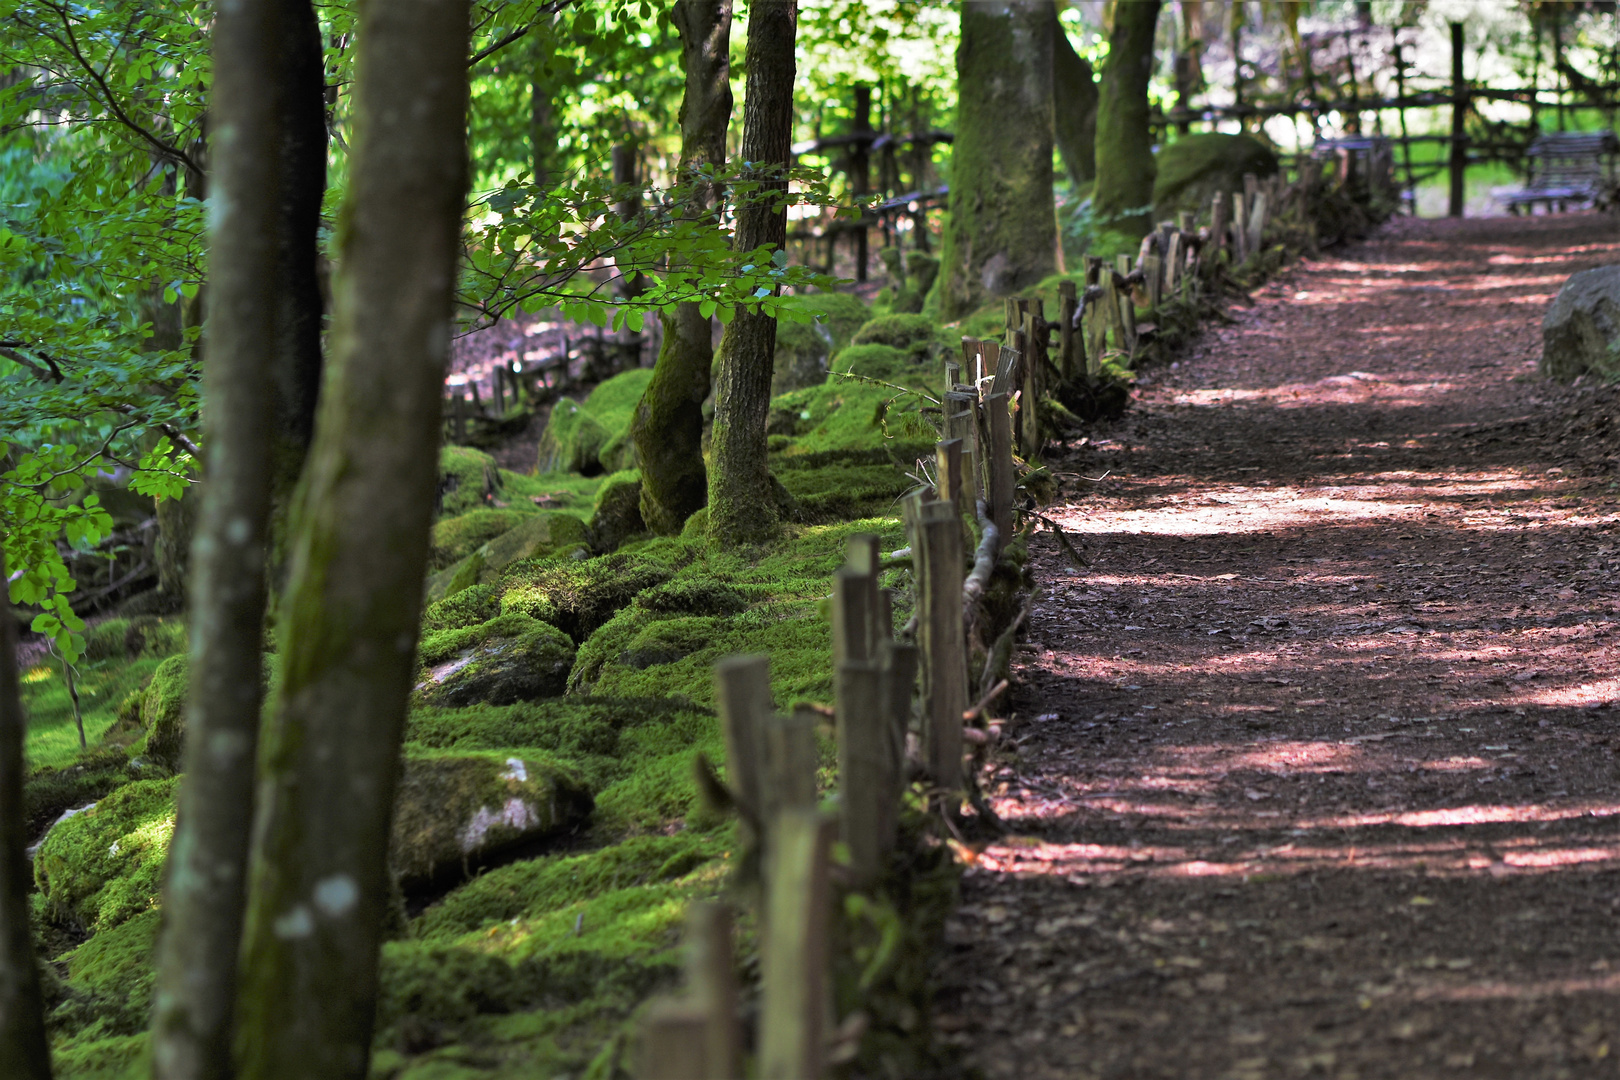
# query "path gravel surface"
(1315, 768)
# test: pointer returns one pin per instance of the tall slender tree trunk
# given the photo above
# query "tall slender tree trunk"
(359, 552)
(542, 125)
(1001, 235)
(742, 507)
(23, 1049)
(1125, 171)
(203, 897)
(301, 86)
(1074, 107)
(668, 425)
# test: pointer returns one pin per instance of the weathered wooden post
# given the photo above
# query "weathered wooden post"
(794, 986)
(1257, 222)
(1068, 305)
(1218, 216)
(865, 766)
(1029, 413)
(711, 980)
(742, 694)
(999, 472)
(1125, 305)
(940, 644)
(1173, 255)
(1240, 227)
(675, 1042)
(961, 423)
(1458, 164)
(948, 471)
(1098, 338)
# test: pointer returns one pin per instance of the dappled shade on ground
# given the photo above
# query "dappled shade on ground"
(1314, 768)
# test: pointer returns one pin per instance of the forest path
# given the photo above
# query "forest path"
(1315, 769)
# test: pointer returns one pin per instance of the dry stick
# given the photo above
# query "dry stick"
(1068, 336)
(941, 642)
(711, 976)
(794, 984)
(984, 560)
(984, 702)
(675, 1042)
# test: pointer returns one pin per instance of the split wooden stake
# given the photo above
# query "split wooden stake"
(866, 767)
(675, 1042)
(711, 979)
(1068, 339)
(940, 643)
(742, 694)
(794, 1001)
(1000, 464)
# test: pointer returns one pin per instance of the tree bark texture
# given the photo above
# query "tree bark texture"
(542, 124)
(203, 896)
(23, 1048)
(300, 87)
(668, 425)
(742, 506)
(1001, 235)
(351, 612)
(1074, 107)
(1123, 197)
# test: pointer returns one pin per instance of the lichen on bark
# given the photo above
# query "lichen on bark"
(1001, 235)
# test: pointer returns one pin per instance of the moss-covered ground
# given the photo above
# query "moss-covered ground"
(532, 963)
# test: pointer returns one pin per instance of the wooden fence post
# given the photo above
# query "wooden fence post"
(948, 471)
(1240, 227)
(1126, 306)
(940, 643)
(675, 1042)
(1218, 212)
(961, 422)
(711, 979)
(999, 471)
(794, 980)
(1068, 305)
(742, 694)
(1029, 413)
(1257, 222)
(866, 768)
(899, 666)
(1172, 264)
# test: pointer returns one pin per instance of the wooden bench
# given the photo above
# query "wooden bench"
(1566, 170)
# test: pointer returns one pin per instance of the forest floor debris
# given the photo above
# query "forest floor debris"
(1317, 764)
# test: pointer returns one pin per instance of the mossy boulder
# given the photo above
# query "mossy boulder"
(468, 479)
(802, 350)
(572, 441)
(617, 514)
(1194, 167)
(134, 637)
(163, 713)
(456, 809)
(51, 792)
(911, 275)
(577, 596)
(536, 538)
(469, 607)
(508, 658)
(915, 335)
(455, 538)
(110, 980)
(874, 361)
(102, 867)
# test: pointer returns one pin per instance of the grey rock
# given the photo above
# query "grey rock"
(1580, 333)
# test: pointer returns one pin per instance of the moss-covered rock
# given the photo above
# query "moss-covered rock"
(469, 607)
(453, 579)
(102, 867)
(802, 350)
(509, 658)
(537, 537)
(468, 479)
(457, 537)
(613, 402)
(163, 713)
(577, 596)
(1194, 167)
(915, 335)
(456, 809)
(110, 980)
(875, 362)
(51, 792)
(133, 637)
(572, 441)
(617, 514)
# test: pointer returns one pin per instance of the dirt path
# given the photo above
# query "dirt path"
(1317, 772)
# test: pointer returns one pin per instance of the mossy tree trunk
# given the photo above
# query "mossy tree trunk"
(742, 506)
(352, 608)
(22, 1014)
(203, 899)
(542, 125)
(1123, 196)
(668, 425)
(1001, 235)
(301, 87)
(1074, 107)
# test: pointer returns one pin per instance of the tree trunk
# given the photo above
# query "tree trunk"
(1074, 107)
(742, 507)
(359, 552)
(668, 425)
(22, 1015)
(542, 126)
(1001, 235)
(1124, 193)
(203, 897)
(297, 368)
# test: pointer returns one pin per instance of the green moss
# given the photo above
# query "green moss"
(103, 867)
(51, 791)
(613, 402)
(572, 441)
(109, 981)
(850, 417)
(53, 738)
(457, 537)
(163, 713)
(468, 480)
(577, 596)
(617, 514)
(915, 335)
(843, 314)
(468, 607)
(511, 657)
(876, 362)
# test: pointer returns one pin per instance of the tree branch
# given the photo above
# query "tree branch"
(521, 32)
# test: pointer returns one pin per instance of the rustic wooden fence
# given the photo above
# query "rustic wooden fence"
(902, 709)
